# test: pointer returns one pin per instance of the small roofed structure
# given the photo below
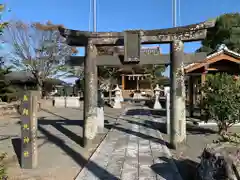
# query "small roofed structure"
(220, 60)
(134, 78)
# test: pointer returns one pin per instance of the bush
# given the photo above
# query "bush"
(3, 173)
(222, 100)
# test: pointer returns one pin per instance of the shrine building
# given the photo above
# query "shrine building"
(134, 78)
(220, 60)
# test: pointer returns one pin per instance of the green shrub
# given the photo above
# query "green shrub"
(3, 173)
(222, 100)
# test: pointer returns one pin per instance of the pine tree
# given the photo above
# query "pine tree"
(226, 31)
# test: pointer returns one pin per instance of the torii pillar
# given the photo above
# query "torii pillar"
(90, 94)
(177, 95)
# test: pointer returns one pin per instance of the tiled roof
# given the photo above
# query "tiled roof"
(220, 49)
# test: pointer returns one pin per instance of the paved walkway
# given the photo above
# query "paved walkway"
(133, 150)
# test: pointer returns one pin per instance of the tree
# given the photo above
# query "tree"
(226, 31)
(155, 73)
(222, 100)
(107, 77)
(2, 24)
(7, 93)
(77, 72)
(37, 48)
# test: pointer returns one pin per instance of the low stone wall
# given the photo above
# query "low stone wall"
(72, 102)
(66, 102)
(8, 108)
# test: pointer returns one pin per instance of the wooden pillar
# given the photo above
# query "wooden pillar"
(123, 81)
(177, 94)
(190, 95)
(29, 130)
(194, 91)
(90, 94)
(203, 79)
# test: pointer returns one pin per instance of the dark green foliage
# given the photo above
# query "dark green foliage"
(155, 74)
(108, 76)
(110, 73)
(163, 81)
(222, 100)
(226, 31)
(49, 84)
(7, 93)
(3, 172)
(80, 84)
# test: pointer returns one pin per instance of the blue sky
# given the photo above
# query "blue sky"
(120, 15)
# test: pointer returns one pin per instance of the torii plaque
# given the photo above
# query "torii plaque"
(96, 41)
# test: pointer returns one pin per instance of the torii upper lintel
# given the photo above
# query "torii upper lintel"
(193, 32)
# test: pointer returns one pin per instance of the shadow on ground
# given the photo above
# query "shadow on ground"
(16, 142)
(161, 126)
(138, 134)
(52, 138)
(146, 112)
(186, 168)
(79, 159)
(58, 124)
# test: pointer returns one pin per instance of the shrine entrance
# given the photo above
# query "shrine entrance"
(105, 49)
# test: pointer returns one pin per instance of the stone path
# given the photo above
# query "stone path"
(132, 150)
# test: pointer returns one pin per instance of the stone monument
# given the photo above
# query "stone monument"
(29, 130)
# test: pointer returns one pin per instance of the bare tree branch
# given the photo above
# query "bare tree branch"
(38, 48)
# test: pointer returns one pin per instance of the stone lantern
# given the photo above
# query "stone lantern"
(117, 99)
(157, 104)
(167, 96)
(121, 95)
(100, 111)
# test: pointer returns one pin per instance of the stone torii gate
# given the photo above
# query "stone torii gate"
(101, 48)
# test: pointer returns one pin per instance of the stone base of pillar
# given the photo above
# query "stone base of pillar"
(182, 119)
(181, 139)
(91, 127)
(100, 119)
(182, 130)
(167, 95)
(86, 142)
